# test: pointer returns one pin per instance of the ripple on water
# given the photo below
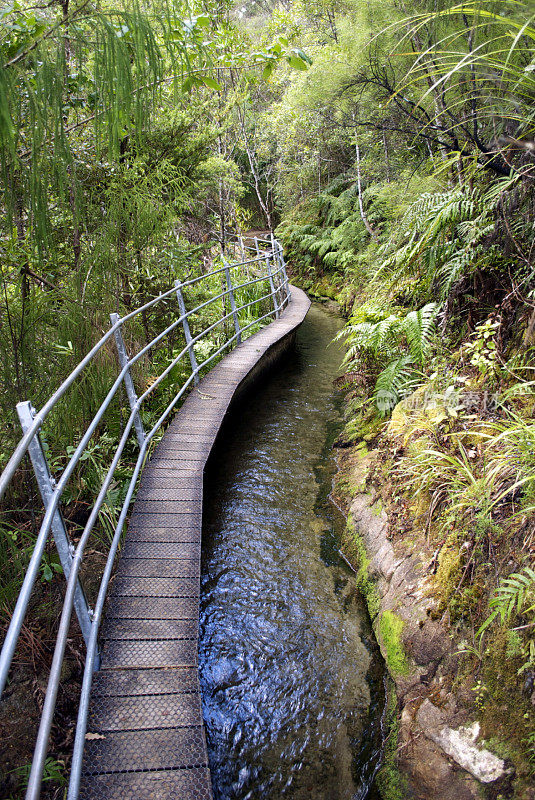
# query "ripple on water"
(284, 651)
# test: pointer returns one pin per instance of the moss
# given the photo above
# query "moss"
(449, 569)
(389, 781)
(390, 630)
(419, 413)
(321, 289)
(505, 710)
(346, 488)
(353, 479)
(377, 508)
(355, 551)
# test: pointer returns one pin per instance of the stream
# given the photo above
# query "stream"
(291, 677)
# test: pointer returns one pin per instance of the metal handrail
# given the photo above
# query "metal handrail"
(39, 418)
(52, 491)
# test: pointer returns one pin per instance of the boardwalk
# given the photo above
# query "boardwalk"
(145, 732)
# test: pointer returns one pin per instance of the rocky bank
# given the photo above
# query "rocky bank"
(434, 749)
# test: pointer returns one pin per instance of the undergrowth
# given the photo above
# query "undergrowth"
(440, 374)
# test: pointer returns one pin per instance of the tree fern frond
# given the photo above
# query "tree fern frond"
(511, 596)
(418, 327)
(393, 382)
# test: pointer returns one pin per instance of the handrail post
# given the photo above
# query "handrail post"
(256, 245)
(272, 287)
(187, 333)
(232, 301)
(277, 263)
(284, 273)
(64, 546)
(128, 382)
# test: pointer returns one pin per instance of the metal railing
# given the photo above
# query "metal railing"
(266, 267)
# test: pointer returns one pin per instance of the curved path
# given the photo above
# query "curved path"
(145, 735)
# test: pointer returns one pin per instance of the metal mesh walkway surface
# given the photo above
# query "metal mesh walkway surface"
(145, 736)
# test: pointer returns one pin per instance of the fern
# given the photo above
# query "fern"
(378, 339)
(511, 597)
(418, 327)
(395, 380)
(387, 340)
(442, 238)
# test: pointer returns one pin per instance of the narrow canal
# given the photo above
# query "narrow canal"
(291, 679)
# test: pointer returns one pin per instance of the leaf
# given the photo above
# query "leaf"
(190, 82)
(490, 619)
(268, 70)
(211, 83)
(297, 63)
(187, 85)
(392, 381)
(418, 328)
(92, 736)
(302, 55)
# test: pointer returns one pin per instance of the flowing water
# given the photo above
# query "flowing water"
(291, 678)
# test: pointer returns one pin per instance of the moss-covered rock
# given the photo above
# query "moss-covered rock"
(390, 631)
(390, 782)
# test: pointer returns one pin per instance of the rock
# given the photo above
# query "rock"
(460, 744)
(333, 306)
(430, 774)
(427, 644)
(372, 527)
(437, 752)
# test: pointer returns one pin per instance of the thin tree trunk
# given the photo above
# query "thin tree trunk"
(359, 187)
(221, 187)
(251, 157)
(76, 233)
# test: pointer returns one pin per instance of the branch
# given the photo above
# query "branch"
(45, 36)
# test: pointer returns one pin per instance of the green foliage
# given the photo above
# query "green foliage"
(514, 596)
(402, 341)
(482, 350)
(443, 239)
(480, 55)
(390, 630)
(53, 772)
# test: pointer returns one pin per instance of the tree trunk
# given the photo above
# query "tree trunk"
(359, 187)
(251, 157)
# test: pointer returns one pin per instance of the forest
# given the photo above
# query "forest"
(390, 147)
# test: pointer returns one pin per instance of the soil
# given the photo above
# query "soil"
(22, 700)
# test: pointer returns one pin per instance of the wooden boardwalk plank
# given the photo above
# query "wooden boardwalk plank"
(178, 784)
(159, 567)
(140, 629)
(145, 728)
(132, 682)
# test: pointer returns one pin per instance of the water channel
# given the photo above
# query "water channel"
(291, 678)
